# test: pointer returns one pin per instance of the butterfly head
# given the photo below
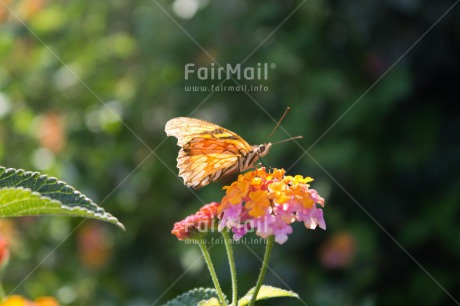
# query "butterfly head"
(263, 149)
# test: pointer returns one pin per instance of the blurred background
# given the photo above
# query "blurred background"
(373, 92)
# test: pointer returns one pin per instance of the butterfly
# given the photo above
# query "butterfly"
(209, 152)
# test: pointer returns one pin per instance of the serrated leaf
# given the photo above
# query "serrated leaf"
(195, 297)
(210, 302)
(266, 292)
(26, 193)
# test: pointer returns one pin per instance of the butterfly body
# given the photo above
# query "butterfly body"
(209, 151)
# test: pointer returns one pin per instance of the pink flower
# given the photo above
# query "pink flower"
(198, 224)
(315, 196)
(270, 201)
(280, 230)
(240, 230)
(230, 217)
(311, 218)
(264, 226)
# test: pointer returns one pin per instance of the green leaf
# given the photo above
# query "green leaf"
(266, 292)
(198, 296)
(211, 302)
(25, 193)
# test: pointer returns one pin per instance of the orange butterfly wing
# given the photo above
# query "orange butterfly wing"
(208, 151)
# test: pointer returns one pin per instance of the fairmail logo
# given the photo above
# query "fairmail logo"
(228, 72)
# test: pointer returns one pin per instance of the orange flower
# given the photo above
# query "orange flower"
(237, 191)
(17, 300)
(52, 132)
(258, 203)
(279, 192)
(46, 301)
(247, 176)
(302, 196)
(277, 174)
(257, 183)
(94, 245)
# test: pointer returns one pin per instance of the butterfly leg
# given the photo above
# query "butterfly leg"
(269, 167)
(240, 165)
(258, 166)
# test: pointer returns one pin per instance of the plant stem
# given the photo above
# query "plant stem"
(231, 262)
(207, 258)
(263, 269)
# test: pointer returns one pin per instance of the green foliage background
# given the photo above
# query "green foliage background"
(373, 93)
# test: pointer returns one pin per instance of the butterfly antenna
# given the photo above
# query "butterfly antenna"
(279, 121)
(289, 139)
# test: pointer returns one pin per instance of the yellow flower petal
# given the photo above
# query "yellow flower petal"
(14, 300)
(279, 192)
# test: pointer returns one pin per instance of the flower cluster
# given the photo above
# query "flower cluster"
(17, 300)
(195, 225)
(268, 202)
